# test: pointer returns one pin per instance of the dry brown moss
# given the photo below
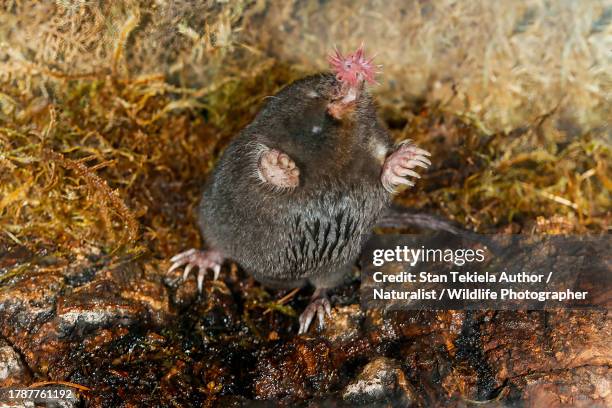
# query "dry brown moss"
(510, 179)
(504, 63)
(109, 152)
(112, 114)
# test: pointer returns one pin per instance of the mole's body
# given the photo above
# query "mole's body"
(311, 232)
(295, 195)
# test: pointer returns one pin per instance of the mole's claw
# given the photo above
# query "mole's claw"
(420, 151)
(321, 316)
(407, 172)
(414, 163)
(398, 181)
(423, 159)
(186, 254)
(305, 320)
(200, 278)
(400, 164)
(216, 270)
(188, 269)
(319, 306)
(203, 260)
(174, 266)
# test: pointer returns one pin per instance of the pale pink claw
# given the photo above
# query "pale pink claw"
(400, 164)
(320, 307)
(203, 260)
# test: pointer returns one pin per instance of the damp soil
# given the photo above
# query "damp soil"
(134, 337)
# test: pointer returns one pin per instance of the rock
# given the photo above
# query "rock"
(115, 297)
(12, 369)
(302, 368)
(48, 316)
(344, 325)
(116, 329)
(580, 387)
(24, 404)
(381, 381)
(28, 301)
(396, 325)
(30, 403)
(522, 343)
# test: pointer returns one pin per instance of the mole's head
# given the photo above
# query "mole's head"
(352, 72)
(325, 109)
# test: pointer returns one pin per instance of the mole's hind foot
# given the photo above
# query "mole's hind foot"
(319, 306)
(203, 260)
(400, 164)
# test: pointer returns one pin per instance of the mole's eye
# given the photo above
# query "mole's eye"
(312, 94)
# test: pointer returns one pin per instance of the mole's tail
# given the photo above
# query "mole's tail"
(402, 217)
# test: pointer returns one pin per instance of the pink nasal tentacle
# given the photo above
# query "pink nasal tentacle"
(353, 68)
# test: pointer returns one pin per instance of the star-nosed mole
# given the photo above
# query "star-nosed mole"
(295, 195)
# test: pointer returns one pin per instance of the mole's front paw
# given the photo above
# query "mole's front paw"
(278, 169)
(204, 260)
(398, 166)
(319, 306)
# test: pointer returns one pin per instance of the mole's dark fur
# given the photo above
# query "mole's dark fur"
(314, 232)
(296, 194)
